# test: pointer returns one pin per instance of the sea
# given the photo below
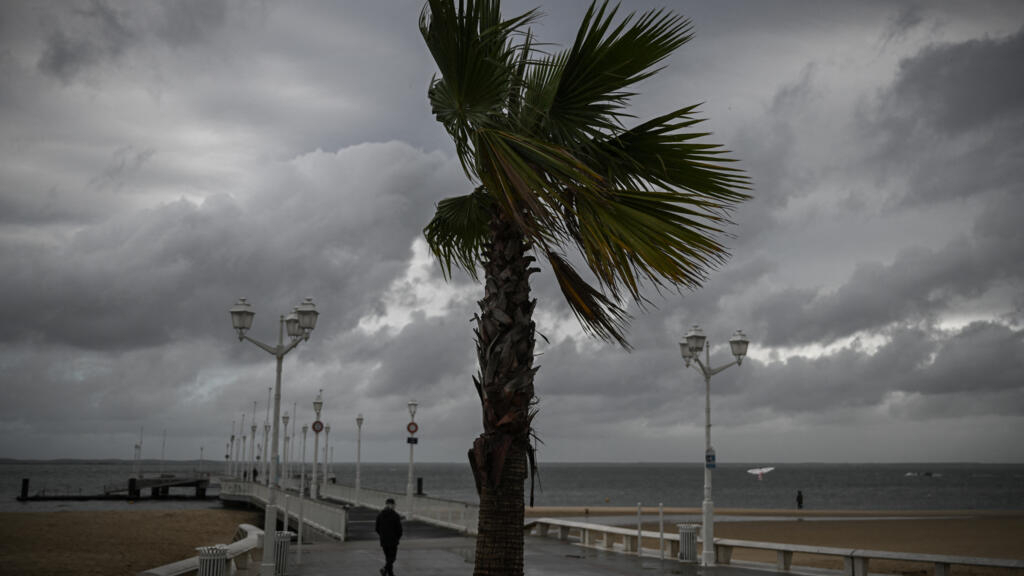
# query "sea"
(957, 486)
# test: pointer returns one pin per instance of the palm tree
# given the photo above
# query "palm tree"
(543, 137)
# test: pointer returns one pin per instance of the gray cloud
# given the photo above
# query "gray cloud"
(96, 32)
(158, 160)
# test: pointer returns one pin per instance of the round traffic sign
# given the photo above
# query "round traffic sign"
(412, 428)
(318, 426)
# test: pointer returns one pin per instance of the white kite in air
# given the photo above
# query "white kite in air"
(760, 472)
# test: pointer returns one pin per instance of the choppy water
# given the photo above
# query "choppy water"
(825, 486)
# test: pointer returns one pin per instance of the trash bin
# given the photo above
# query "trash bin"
(213, 560)
(282, 542)
(688, 542)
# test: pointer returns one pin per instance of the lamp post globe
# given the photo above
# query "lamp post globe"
(292, 325)
(695, 339)
(241, 317)
(308, 315)
(738, 343)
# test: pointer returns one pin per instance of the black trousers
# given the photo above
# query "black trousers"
(390, 552)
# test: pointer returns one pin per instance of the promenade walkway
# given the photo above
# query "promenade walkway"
(453, 556)
(432, 551)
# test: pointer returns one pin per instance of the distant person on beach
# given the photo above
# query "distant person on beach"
(799, 500)
(389, 528)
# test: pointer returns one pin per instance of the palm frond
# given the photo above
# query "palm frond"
(660, 154)
(604, 61)
(639, 237)
(598, 314)
(475, 52)
(459, 230)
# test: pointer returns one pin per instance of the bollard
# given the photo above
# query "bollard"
(688, 543)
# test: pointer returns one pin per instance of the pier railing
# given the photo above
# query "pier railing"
(330, 519)
(460, 516)
(324, 517)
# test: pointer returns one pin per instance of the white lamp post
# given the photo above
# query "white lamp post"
(284, 420)
(240, 457)
(411, 428)
(318, 404)
(690, 349)
(295, 420)
(359, 451)
(231, 450)
(299, 325)
(266, 463)
(327, 461)
(254, 455)
(302, 493)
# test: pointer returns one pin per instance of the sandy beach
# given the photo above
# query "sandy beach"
(127, 542)
(107, 543)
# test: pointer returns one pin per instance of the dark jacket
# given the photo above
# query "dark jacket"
(389, 527)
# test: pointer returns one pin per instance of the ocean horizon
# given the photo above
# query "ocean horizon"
(825, 486)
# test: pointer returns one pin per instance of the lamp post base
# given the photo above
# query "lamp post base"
(708, 556)
(269, 543)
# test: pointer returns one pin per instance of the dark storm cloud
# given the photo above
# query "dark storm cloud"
(190, 21)
(305, 234)
(953, 119)
(959, 87)
(94, 32)
(919, 284)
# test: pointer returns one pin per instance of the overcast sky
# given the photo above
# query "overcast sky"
(161, 159)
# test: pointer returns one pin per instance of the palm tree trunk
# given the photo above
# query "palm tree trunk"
(505, 347)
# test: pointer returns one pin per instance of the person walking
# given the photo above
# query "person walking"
(389, 529)
(799, 500)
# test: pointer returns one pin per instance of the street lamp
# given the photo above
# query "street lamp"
(411, 428)
(318, 426)
(299, 326)
(359, 450)
(690, 349)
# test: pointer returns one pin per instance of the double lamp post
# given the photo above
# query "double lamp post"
(691, 348)
(299, 324)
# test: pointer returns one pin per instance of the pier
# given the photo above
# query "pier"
(158, 487)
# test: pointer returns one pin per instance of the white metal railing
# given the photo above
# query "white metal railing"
(452, 514)
(322, 516)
